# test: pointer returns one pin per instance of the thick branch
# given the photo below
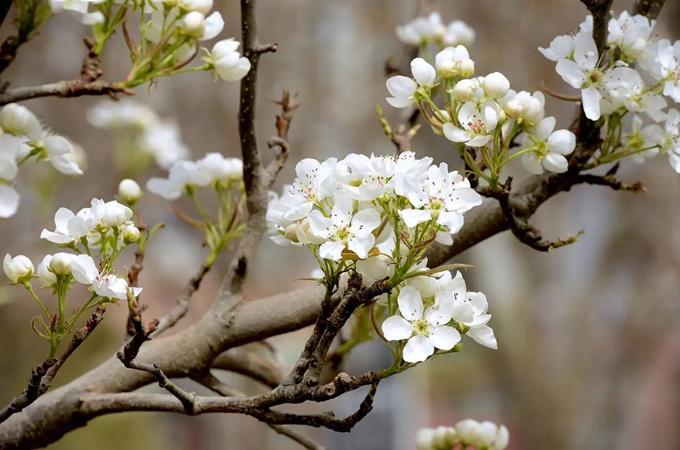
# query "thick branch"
(63, 89)
(649, 8)
(249, 364)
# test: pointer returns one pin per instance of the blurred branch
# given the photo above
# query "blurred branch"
(31, 15)
(5, 6)
(649, 8)
(283, 120)
(42, 375)
(249, 364)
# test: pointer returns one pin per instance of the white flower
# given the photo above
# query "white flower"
(183, 175)
(79, 9)
(125, 113)
(59, 151)
(670, 139)
(492, 436)
(465, 90)
(163, 141)
(471, 310)
(477, 126)
(221, 169)
(668, 59)
(444, 196)
(630, 34)
(583, 73)
(69, 226)
(104, 284)
(130, 234)
(315, 182)
(650, 138)
(459, 33)
(47, 278)
(551, 147)
(403, 89)
(229, 64)
(344, 229)
(450, 61)
(495, 85)
(115, 214)
(17, 269)
(422, 29)
(129, 191)
(533, 107)
(196, 25)
(424, 330)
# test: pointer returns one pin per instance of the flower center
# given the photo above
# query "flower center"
(421, 327)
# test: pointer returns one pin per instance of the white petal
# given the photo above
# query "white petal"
(562, 142)
(544, 128)
(418, 349)
(444, 338)
(9, 201)
(673, 158)
(400, 102)
(332, 250)
(361, 245)
(396, 328)
(484, 336)
(555, 162)
(570, 73)
(365, 221)
(213, 25)
(423, 72)
(401, 86)
(55, 238)
(84, 269)
(164, 188)
(532, 163)
(591, 102)
(454, 133)
(452, 220)
(463, 313)
(65, 165)
(410, 303)
(478, 141)
(413, 217)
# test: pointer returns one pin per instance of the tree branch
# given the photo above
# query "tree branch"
(649, 8)
(249, 364)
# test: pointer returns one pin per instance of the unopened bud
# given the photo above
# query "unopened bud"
(513, 109)
(447, 68)
(496, 85)
(60, 264)
(464, 90)
(291, 232)
(129, 191)
(193, 23)
(465, 67)
(131, 234)
(17, 269)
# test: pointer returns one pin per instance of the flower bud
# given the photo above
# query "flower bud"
(60, 264)
(115, 214)
(17, 269)
(193, 23)
(424, 439)
(291, 232)
(513, 109)
(47, 278)
(447, 68)
(131, 234)
(464, 90)
(18, 120)
(129, 191)
(465, 67)
(496, 85)
(439, 437)
(202, 6)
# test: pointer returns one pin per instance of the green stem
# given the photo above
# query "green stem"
(29, 288)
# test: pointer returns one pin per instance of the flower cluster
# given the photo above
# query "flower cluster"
(23, 136)
(424, 30)
(482, 436)
(140, 131)
(377, 216)
(611, 87)
(482, 114)
(95, 236)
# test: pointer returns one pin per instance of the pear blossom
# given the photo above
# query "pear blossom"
(198, 26)
(221, 169)
(183, 175)
(9, 200)
(649, 138)
(114, 214)
(670, 139)
(345, 229)
(495, 85)
(70, 227)
(444, 196)
(465, 90)
(552, 146)
(228, 63)
(60, 263)
(451, 60)
(17, 269)
(631, 34)
(532, 107)
(403, 89)
(85, 271)
(424, 329)
(459, 33)
(422, 29)
(122, 114)
(471, 309)
(476, 127)
(560, 48)
(164, 143)
(315, 182)
(18, 120)
(486, 434)
(201, 6)
(46, 277)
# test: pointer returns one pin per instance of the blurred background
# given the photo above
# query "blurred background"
(589, 342)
